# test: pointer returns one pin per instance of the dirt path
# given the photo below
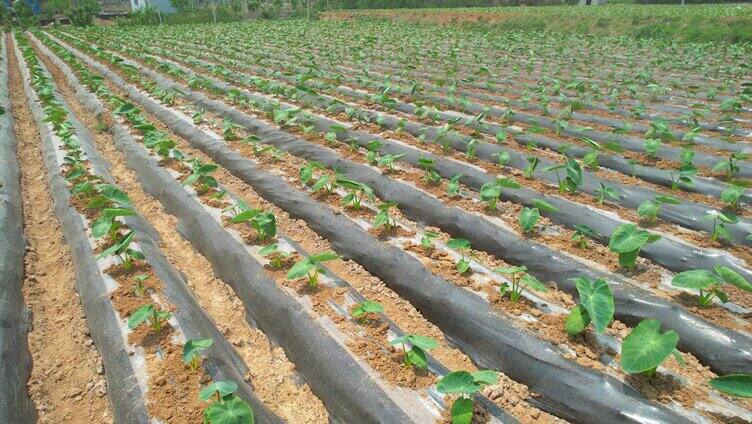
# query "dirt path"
(67, 381)
(271, 371)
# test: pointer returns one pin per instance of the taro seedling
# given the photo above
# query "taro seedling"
(138, 286)
(596, 306)
(582, 233)
(651, 147)
(122, 250)
(201, 174)
(428, 165)
(275, 255)
(383, 218)
(533, 162)
(491, 191)
(648, 210)
(627, 241)
(729, 167)
(528, 218)
(466, 385)
(198, 117)
(709, 283)
(572, 181)
(373, 151)
(503, 157)
(645, 348)
(426, 240)
(604, 192)
(362, 309)
(356, 192)
(229, 130)
(739, 385)
(453, 185)
(520, 280)
(464, 248)
(389, 160)
(192, 349)
(264, 223)
(107, 224)
(416, 355)
(227, 408)
(307, 170)
(310, 267)
(720, 219)
(731, 195)
(151, 314)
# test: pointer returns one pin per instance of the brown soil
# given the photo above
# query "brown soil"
(271, 373)
(67, 381)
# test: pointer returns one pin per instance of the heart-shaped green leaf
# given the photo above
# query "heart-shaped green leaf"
(458, 382)
(627, 238)
(645, 347)
(598, 301)
(232, 410)
(694, 279)
(528, 218)
(733, 278)
(462, 411)
(192, 348)
(224, 387)
(733, 384)
(576, 321)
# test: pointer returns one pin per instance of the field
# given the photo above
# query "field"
(371, 221)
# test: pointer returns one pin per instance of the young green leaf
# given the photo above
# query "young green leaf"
(367, 307)
(739, 385)
(192, 348)
(232, 410)
(577, 320)
(644, 348)
(598, 301)
(528, 218)
(223, 387)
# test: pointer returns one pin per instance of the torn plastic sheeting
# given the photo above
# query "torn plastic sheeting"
(696, 334)
(328, 370)
(15, 317)
(124, 393)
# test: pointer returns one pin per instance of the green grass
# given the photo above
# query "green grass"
(696, 23)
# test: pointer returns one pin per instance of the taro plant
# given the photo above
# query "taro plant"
(532, 165)
(582, 233)
(138, 285)
(426, 240)
(432, 177)
(731, 195)
(729, 167)
(388, 161)
(106, 224)
(645, 348)
(596, 306)
(648, 210)
(627, 241)
(466, 385)
(356, 192)
(453, 185)
(122, 250)
(201, 175)
(572, 181)
(491, 191)
(192, 350)
(605, 192)
(366, 307)
(465, 250)
(230, 130)
(263, 222)
(415, 356)
(307, 170)
(227, 408)
(310, 267)
(651, 146)
(720, 219)
(383, 218)
(151, 314)
(529, 217)
(275, 255)
(520, 280)
(739, 385)
(710, 284)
